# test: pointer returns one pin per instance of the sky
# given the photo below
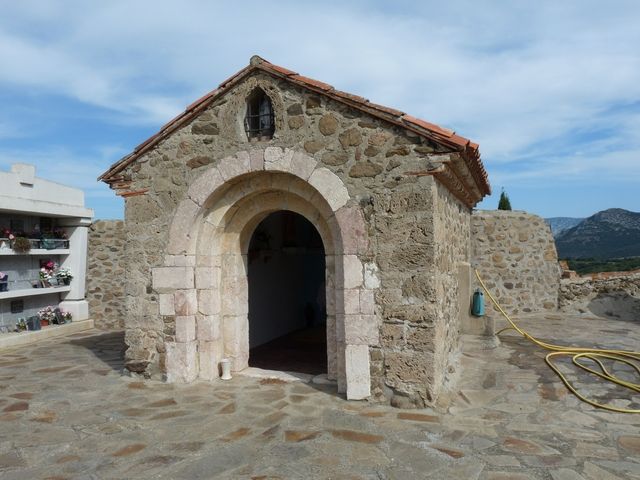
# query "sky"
(550, 90)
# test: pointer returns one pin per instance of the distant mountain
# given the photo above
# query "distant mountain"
(613, 233)
(560, 224)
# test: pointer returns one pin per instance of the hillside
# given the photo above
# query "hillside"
(613, 233)
(560, 224)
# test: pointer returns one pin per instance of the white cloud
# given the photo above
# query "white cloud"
(64, 166)
(520, 78)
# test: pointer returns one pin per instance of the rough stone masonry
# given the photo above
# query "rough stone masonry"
(106, 273)
(515, 253)
(390, 195)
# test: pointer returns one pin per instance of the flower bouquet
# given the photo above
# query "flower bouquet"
(47, 268)
(46, 315)
(64, 275)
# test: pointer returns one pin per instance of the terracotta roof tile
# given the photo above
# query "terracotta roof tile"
(235, 76)
(382, 108)
(469, 150)
(284, 71)
(203, 99)
(458, 140)
(428, 125)
(350, 96)
(311, 82)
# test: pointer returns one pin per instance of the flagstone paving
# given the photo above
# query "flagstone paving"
(66, 411)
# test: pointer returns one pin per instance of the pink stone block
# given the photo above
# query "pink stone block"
(352, 272)
(181, 362)
(278, 159)
(357, 371)
(330, 187)
(185, 328)
(340, 361)
(235, 296)
(208, 355)
(302, 165)
(204, 186)
(234, 166)
(167, 279)
(208, 327)
(182, 228)
(209, 302)
(361, 330)
(367, 302)
(354, 230)
(165, 303)
(236, 341)
(207, 277)
(351, 301)
(256, 160)
(186, 302)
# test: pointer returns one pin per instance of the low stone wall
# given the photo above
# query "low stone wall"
(516, 256)
(106, 274)
(614, 295)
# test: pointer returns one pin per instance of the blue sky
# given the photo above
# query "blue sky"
(550, 90)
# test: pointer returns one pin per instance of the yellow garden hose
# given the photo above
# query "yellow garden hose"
(627, 357)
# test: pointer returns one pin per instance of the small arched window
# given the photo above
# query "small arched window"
(259, 122)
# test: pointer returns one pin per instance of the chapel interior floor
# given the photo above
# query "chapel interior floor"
(303, 351)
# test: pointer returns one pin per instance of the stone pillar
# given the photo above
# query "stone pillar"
(74, 301)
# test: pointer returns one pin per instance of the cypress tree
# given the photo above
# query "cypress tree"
(504, 203)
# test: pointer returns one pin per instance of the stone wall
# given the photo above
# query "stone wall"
(106, 272)
(452, 225)
(615, 296)
(516, 256)
(377, 163)
(402, 369)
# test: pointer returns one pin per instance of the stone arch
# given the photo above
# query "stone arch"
(203, 284)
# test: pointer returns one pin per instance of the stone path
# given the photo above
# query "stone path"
(67, 412)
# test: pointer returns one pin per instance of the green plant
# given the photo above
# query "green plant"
(504, 203)
(64, 273)
(21, 245)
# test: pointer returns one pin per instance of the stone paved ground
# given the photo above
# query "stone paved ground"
(67, 412)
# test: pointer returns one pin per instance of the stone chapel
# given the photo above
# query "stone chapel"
(286, 225)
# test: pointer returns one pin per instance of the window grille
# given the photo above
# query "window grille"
(259, 122)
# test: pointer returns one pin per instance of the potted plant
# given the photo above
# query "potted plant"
(46, 315)
(47, 273)
(21, 325)
(45, 277)
(5, 241)
(4, 282)
(64, 274)
(62, 241)
(47, 241)
(21, 244)
(66, 316)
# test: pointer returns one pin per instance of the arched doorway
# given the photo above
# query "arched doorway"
(204, 281)
(287, 295)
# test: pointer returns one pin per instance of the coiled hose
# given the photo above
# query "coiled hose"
(596, 355)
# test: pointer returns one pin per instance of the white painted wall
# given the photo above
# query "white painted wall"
(23, 193)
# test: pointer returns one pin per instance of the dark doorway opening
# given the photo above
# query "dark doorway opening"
(287, 304)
